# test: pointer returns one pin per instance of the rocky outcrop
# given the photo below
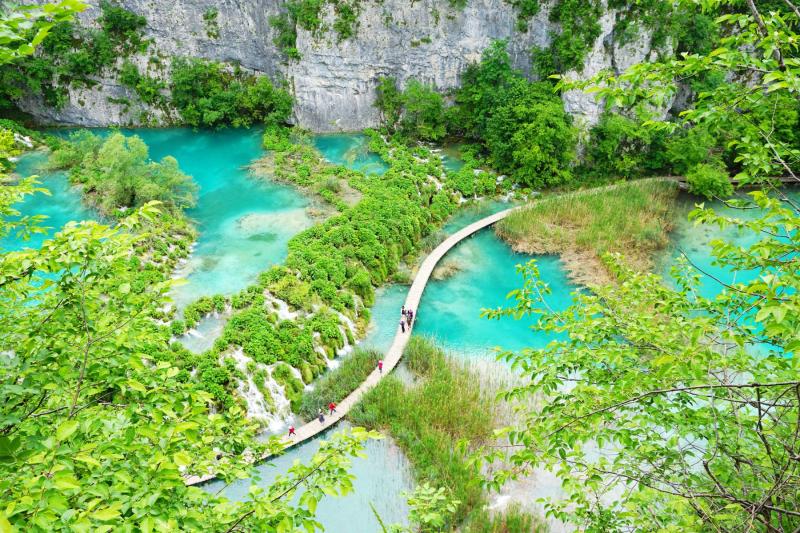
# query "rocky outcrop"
(334, 81)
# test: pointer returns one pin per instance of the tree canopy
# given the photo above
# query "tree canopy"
(662, 409)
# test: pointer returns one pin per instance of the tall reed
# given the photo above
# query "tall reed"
(430, 418)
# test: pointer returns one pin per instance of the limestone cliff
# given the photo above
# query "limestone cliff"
(334, 81)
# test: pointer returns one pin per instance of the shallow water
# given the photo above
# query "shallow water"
(63, 205)
(350, 150)
(695, 242)
(380, 479)
(450, 309)
(244, 223)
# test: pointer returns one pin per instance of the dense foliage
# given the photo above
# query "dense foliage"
(695, 399)
(206, 93)
(415, 113)
(117, 172)
(522, 125)
(72, 55)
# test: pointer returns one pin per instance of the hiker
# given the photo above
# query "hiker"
(403, 310)
(321, 416)
(331, 408)
(409, 316)
(380, 366)
(402, 325)
(291, 431)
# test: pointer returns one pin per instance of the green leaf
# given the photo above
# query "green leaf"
(182, 459)
(66, 429)
(109, 513)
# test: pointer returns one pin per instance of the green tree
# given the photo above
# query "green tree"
(530, 136)
(693, 402)
(211, 94)
(23, 28)
(117, 172)
(416, 113)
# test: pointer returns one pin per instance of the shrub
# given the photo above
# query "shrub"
(709, 180)
(416, 113)
(521, 125)
(617, 147)
(208, 94)
(118, 173)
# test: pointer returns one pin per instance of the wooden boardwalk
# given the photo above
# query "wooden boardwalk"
(392, 357)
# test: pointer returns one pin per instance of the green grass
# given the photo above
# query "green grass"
(428, 420)
(337, 384)
(632, 218)
(513, 520)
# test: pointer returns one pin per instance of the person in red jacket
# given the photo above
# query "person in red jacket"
(380, 366)
(291, 431)
(331, 408)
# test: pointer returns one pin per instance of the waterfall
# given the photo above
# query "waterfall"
(274, 413)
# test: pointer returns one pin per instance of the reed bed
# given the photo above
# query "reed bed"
(335, 385)
(631, 218)
(446, 405)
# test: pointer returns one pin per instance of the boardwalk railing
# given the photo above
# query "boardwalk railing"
(311, 429)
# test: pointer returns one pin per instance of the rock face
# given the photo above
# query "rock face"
(334, 81)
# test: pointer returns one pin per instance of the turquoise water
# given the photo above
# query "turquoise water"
(694, 241)
(381, 476)
(350, 150)
(63, 204)
(244, 223)
(450, 309)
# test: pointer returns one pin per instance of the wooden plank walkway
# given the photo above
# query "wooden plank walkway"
(311, 429)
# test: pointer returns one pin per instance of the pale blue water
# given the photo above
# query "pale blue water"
(695, 241)
(63, 204)
(381, 477)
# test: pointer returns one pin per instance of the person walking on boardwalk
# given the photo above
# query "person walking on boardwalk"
(409, 316)
(331, 408)
(402, 325)
(403, 311)
(292, 432)
(321, 416)
(380, 366)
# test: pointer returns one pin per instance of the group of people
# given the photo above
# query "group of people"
(320, 416)
(406, 318)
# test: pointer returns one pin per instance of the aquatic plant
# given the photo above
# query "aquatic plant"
(337, 384)
(631, 218)
(429, 420)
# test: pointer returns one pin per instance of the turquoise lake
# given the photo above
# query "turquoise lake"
(245, 225)
(381, 477)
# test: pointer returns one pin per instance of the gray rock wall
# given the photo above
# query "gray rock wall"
(333, 82)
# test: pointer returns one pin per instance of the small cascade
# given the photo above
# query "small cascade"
(347, 348)
(281, 307)
(272, 413)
